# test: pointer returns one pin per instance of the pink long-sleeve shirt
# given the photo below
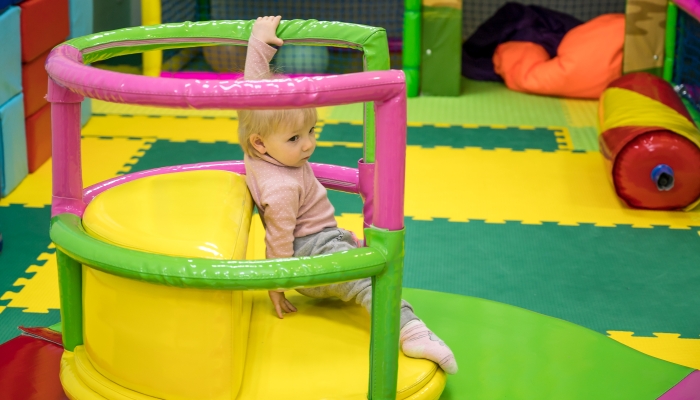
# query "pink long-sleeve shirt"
(291, 201)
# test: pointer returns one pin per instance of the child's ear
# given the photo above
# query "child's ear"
(257, 143)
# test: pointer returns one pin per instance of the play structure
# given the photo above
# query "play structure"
(192, 271)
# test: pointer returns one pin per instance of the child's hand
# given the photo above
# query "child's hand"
(281, 303)
(265, 30)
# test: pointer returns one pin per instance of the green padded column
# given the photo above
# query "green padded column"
(411, 46)
(441, 63)
(70, 285)
(670, 48)
(386, 303)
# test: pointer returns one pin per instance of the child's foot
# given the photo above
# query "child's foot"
(418, 341)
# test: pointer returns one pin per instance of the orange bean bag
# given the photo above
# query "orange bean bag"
(588, 58)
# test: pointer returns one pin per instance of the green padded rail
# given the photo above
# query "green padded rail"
(101, 46)
(70, 238)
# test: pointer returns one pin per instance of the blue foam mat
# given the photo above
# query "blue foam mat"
(13, 144)
(80, 18)
(85, 111)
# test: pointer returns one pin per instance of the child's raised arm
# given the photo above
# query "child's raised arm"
(259, 54)
(265, 29)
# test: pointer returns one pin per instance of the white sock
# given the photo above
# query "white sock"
(417, 341)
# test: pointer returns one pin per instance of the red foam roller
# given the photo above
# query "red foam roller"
(650, 143)
(29, 370)
(635, 162)
(43, 25)
(35, 84)
(38, 127)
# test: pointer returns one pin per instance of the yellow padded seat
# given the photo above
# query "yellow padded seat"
(202, 214)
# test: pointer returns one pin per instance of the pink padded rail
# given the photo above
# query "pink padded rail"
(333, 177)
(386, 88)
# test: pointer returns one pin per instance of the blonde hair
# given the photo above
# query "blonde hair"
(268, 122)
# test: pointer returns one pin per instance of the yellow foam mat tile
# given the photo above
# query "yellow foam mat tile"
(502, 185)
(40, 292)
(563, 138)
(205, 130)
(581, 113)
(108, 108)
(105, 107)
(666, 346)
(102, 159)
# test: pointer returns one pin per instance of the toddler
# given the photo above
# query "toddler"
(293, 205)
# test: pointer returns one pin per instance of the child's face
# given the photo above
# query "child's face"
(288, 146)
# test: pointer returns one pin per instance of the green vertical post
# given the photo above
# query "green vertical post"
(70, 285)
(386, 304)
(670, 46)
(412, 46)
(376, 58)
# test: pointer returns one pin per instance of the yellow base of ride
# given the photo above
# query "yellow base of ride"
(319, 353)
(148, 341)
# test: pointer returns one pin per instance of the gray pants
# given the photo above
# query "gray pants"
(331, 240)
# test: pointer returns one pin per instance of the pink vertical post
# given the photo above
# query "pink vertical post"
(366, 190)
(390, 162)
(65, 150)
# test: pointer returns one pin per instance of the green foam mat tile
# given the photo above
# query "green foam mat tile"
(25, 233)
(488, 103)
(584, 138)
(481, 103)
(455, 136)
(12, 318)
(505, 352)
(25, 236)
(619, 279)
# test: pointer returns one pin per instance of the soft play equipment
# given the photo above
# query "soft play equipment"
(645, 23)
(44, 24)
(651, 144)
(171, 257)
(13, 144)
(588, 59)
(683, 46)
(34, 82)
(81, 18)
(13, 153)
(81, 25)
(13, 158)
(38, 128)
(10, 55)
(441, 37)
